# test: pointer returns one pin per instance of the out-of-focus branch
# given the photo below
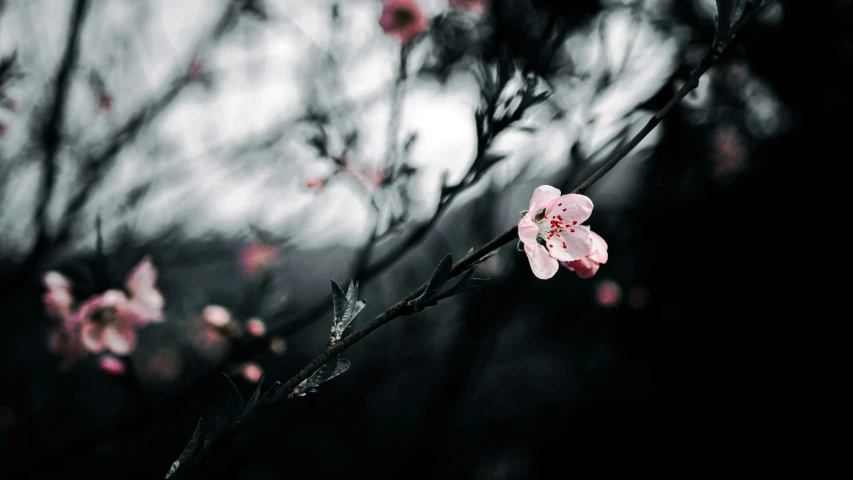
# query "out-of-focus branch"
(51, 139)
(406, 306)
(95, 168)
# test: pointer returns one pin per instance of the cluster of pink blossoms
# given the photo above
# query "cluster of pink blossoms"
(555, 221)
(403, 19)
(105, 322)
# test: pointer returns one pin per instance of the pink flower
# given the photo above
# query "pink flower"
(58, 298)
(608, 293)
(314, 182)
(256, 327)
(587, 266)
(105, 102)
(195, 69)
(216, 316)
(557, 221)
(402, 19)
(109, 322)
(111, 365)
(252, 372)
(374, 175)
(257, 256)
(146, 301)
(474, 6)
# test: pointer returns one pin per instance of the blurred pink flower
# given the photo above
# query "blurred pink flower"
(105, 102)
(252, 372)
(109, 322)
(145, 299)
(374, 175)
(474, 6)
(608, 293)
(402, 19)
(58, 298)
(587, 266)
(256, 327)
(257, 256)
(3, 128)
(557, 220)
(111, 365)
(216, 316)
(196, 69)
(314, 182)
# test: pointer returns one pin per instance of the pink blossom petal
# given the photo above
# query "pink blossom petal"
(527, 230)
(151, 298)
(571, 245)
(572, 207)
(216, 316)
(542, 265)
(55, 280)
(111, 365)
(113, 298)
(541, 196)
(119, 341)
(92, 337)
(138, 314)
(599, 248)
(142, 277)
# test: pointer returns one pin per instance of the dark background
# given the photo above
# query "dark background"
(522, 378)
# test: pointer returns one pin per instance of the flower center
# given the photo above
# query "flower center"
(105, 316)
(403, 17)
(552, 231)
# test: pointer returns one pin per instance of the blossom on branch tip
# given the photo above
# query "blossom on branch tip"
(403, 20)
(587, 266)
(551, 230)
